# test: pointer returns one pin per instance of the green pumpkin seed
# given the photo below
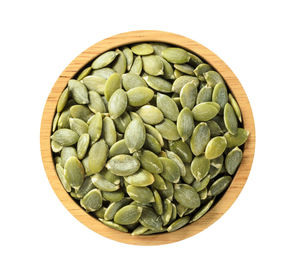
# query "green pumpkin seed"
(158, 47)
(233, 160)
(96, 103)
(179, 223)
(202, 184)
(113, 196)
(85, 72)
(215, 129)
(104, 60)
(150, 114)
(92, 201)
(142, 49)
(123, 165)
(185, 123)
(85, 163)
(215, 147)
(109, 131)
(216, 166)
(174, 213)
(150, 161)
(182, 150)
(236, 107)
(181, 210)
(102, 184)
(173, 156)
(188, 95)
(171, 171)
(79, 91)
(205, 111)
(95, 83)
(55, 121)
(202, 211)
(168, 70)
(135, 135)
(203, 194)
(128, 214)
(186, 195)
(177, 74)
(97, 156)
(86, 186)
(153, 65)
(175, 55)
(61, 176)
(66, 153)
(140, 230)
(200, 167)
(103, 72)
(150, 219)
(219, 185)
(185, 68)
(74, 172)
(56, 147)
(157, 205)
(100, 213)
(201, 69)
(95, 127)
(141, 178)
(122, 122)
(212, 78)
(108, 175)
(80, 112)
(113, 208)
(167, 214)
(65, 137)
(129, 57)
(236, 140)
(119, 65)
(155, 133)
(220, 95)
(137, 66)
(194, 60)
(140, 194)
(139, 96)
(118, 148)
(168, 130)
(159, 182)
(182, 81)
(63, 99)
(78, 125)
(168, 192)
(219, 120)
(200, 138)
(114, 225)
(230, 119)
(158, 84)
(117, 103)
(131, 80)
(204, 95)
(111, 85)
(167, 106)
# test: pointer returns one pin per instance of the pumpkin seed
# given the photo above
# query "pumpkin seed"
(205, 111)
(95, 83)
(129, 57)
(158, 84)
(140, 230)
(117, 103)
(230, 119)
(102, 184)
(97, 156)
(103, 72)
(215, 129)
(220, 95)
(65, 137)
(150, 161)
(182, 81)
(150, 219)
(63, 99)
(177, 74)
(202, 211)
(135, 135)
(142, 49)
(171, 171)
(56, 147)
(219, 185)
(74, 172)
(100, 213)
(63, 120)
(61, 176)
(233, 160)
(152, 144)
(203, 194)
(168, 192)
(168, 130)
(139, 96)
(92, 201)
(118, 148)
(236, 140)
(122, 122)
(137, 66)
(175, 55)
(95, 127)
(140, 194)
(111, 85)
(186, 195)
(200, 167)
(200, 138)
(158, 47)
(155, 133)
(185, 123)
(215, 147)
(235, 107)
(179, 223)
(150, 114)
(108, 175)
(80, 112)
(201, 69)
(202, 184)
(173, 156)
(128, 214)
(66, 153)
(153, 65)
(86, 186)
(141, 178)
(79, 91)
(119, 64)
(123, 165)
(216, 166)
(104, 60)
(167, 214)
(157, 205)
(113, 208)
(55, 121)
(188, 95)
(212, 78)
(78, 125)
(159, 182)
(194, 60)
(204, 95)
(182, 150)
(174, 213)
(167, 106)
(185, 68)
(114, 225)
(131, 80)
(96, 103)
(168, 70)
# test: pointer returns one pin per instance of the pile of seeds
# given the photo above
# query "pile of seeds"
(147, 138)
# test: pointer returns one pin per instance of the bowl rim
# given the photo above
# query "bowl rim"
(123, 39)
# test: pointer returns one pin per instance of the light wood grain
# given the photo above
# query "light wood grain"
(127, 38)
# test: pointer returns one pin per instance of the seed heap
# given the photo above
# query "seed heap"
(147, 138)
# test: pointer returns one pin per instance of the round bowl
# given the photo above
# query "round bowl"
(231, 80)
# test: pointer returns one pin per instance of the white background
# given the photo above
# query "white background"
(259, 40)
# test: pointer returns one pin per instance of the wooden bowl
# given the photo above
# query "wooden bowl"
(128, 38)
